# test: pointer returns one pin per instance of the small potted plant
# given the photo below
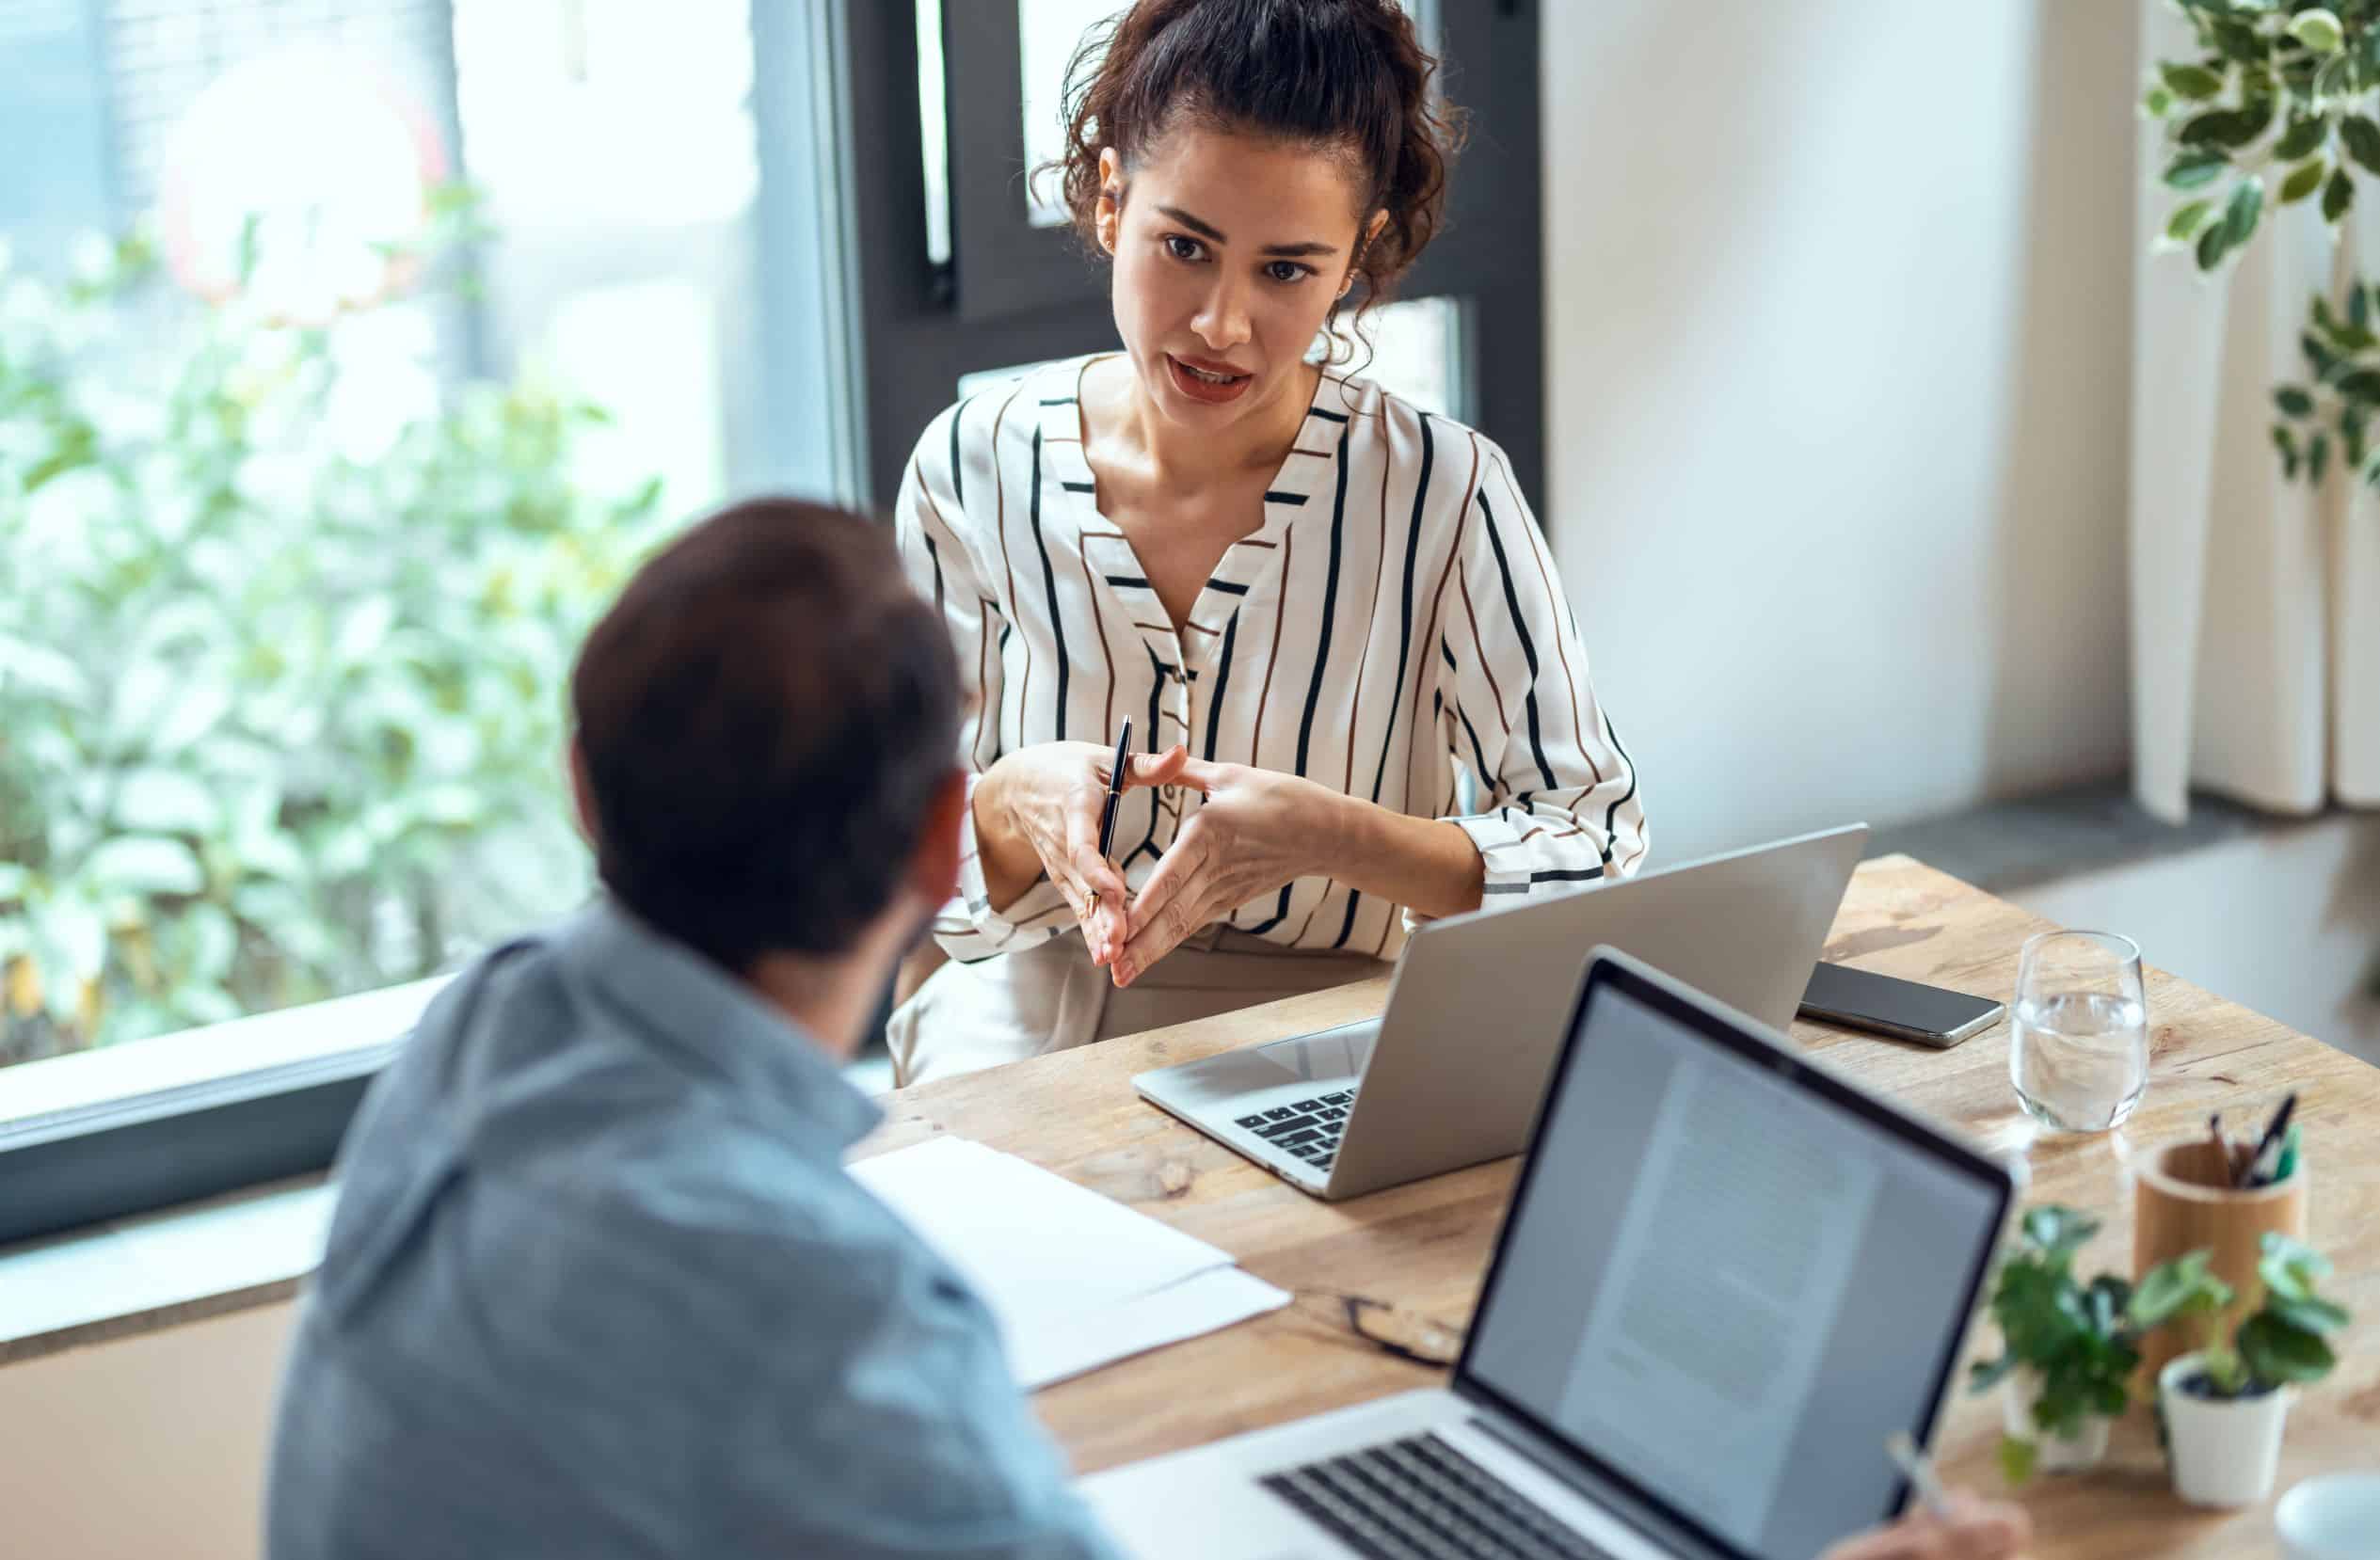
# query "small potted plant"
(2225, 1403)
(2070, 1347)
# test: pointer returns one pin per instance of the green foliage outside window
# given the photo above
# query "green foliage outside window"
(279, 720)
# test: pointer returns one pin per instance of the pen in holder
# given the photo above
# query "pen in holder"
(2182, 1200)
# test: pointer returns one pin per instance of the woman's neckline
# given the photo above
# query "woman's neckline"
(1252, 568)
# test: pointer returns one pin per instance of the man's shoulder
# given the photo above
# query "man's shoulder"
(418, 1111)
(765, 1272)
(526, 1115)
(519, 983)
(668, 1220)
(715, 1177)
(698, 1304)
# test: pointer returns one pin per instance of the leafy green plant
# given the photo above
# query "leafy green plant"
(2282, 106)
(2279, 92)
(2342, 394)
(280, 672)
(2074, 1336)
(2283, 1343)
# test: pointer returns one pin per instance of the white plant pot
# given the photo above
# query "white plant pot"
(2053, 1453)
(2225, 1451)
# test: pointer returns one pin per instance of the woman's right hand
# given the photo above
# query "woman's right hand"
(1037, 813)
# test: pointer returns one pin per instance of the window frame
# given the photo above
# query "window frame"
(104, 1152)
(1001, 263)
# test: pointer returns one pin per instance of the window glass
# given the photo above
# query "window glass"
(1049, 32)
(1415, 348)
(934, 131)
(612, 143)
(608, 111)
(317, 461)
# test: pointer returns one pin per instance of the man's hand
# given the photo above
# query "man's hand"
(1972, 1529)
(1253, 830)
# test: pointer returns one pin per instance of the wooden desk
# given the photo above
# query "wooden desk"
(1422, 1246)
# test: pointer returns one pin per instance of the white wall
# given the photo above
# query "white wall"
(152, 1445)
(1838, 327)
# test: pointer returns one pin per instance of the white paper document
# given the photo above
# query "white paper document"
(1075, 1280)
(1052, 1350)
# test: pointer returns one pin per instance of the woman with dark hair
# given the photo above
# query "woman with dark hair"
(1357, 691)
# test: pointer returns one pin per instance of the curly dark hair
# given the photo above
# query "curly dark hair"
(1345, 75)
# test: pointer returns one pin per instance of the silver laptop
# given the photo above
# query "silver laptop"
(1726, 1278)
(1451, 1072)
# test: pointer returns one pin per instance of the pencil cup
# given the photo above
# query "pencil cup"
(2182, 1200)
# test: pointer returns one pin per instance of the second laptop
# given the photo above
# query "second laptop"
(1452, 1073)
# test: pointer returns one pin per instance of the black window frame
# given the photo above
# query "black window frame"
(81, 1165)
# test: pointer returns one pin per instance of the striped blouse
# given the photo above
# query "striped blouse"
(1430, 642)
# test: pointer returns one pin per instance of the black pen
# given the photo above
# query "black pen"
(2267, 1157)
(1107, 813)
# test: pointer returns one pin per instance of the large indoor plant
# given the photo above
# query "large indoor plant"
(2226, 1403)
(2068, 1347)
(281, 663)
(2280, 105)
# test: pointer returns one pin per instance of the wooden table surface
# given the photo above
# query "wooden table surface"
(1422, 1246)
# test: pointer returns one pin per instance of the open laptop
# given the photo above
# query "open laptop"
(1726, 1276)
(1451, 1072)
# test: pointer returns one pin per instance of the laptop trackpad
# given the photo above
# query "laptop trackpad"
(1324, 1053)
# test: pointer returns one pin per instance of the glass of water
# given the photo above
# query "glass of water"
(2077, 1036)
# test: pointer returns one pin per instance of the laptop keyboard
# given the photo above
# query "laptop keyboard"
(1309, 1129)
(1419, 1497)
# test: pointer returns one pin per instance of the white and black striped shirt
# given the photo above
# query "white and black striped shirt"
(1395, 622)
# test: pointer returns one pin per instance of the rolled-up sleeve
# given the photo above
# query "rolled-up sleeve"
(969, 929)
(1558, 798)
(931, 527)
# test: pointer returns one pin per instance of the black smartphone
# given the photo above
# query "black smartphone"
(1860, 999)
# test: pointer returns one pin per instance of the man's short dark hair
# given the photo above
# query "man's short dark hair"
(766, 716)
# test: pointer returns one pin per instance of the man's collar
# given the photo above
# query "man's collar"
(696, 1016)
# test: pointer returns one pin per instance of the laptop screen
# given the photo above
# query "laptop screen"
(1725, 1286)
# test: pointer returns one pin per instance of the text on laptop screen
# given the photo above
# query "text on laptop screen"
(1726, 1287)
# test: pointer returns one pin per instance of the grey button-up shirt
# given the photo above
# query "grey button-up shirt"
(598, 1285)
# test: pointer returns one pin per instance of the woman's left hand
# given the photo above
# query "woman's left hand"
(1256, 830)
